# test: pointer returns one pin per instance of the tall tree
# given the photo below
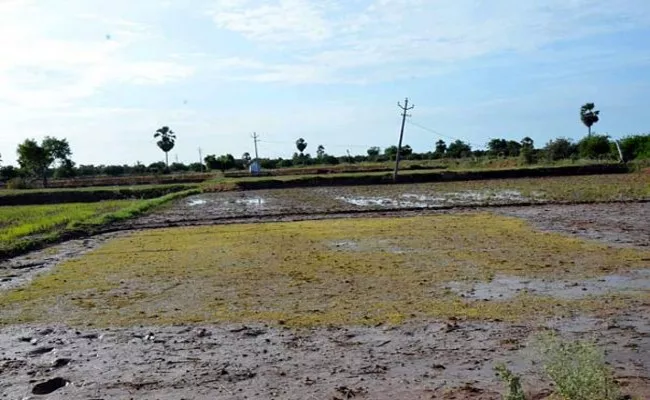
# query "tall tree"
(459, 149)
(36, 159)
(589, 115)
(441, 149)
(246, 158)
(320, 151)
(301, 145)
(373, 153)
(166, 141)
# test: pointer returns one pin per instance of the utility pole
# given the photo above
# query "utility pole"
(404, 108)
(255, 140)
(201, 159)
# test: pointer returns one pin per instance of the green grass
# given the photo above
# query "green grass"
(21, 221)
(26, 227)
(407, 176)
(319, 273)
(134, 188)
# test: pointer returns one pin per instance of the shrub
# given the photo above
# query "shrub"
(514, 389)
(17, 183)
(595, 146)
(635, 147)
(577, 368)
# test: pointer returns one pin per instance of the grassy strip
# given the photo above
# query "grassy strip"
(417, 176)
(17, 240)
(87, 195)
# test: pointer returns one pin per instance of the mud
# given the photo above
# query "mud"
(506, 287)
(421, 360)
(17, 271)
(622, 224)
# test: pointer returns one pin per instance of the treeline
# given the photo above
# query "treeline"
(52, 157)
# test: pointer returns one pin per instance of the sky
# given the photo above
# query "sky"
(107, 74)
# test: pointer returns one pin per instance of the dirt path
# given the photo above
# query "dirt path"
(421, 360)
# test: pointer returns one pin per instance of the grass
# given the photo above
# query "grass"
(88, 195)
(411, 176)
(185, 186)
(315, 273)
(28, 227)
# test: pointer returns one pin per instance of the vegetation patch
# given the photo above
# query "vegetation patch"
(334, 272)
(411, 176)
(24, 228)
(87, 195)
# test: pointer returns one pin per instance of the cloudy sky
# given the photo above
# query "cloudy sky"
(106, 74)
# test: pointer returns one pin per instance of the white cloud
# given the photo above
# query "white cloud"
(44, 63)
(330, 41)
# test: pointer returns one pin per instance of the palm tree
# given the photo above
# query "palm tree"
(588, 115)
(166, 141)
(320, 152)
(301, 145)
(246, 158)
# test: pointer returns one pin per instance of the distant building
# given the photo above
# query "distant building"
(255, 168)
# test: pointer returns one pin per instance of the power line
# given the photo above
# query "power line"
(442, 134)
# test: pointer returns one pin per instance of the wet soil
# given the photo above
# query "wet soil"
(420, 360)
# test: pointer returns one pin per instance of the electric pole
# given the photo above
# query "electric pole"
(404, 108)
(255, 140)
(200, 159)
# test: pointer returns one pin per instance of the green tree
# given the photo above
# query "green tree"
(635, 147)
(36, 159)
(320, 152)
(459, 149)
(559, 149)
(595, 146)
(527, 151)
(373, 153)
(441, 149)
(166, 141)
(301, 145)
(589, 115)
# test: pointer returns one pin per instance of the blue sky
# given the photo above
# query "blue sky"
(107, 74)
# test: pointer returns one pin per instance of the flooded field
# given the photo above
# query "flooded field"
(432, 196)
(377, 292)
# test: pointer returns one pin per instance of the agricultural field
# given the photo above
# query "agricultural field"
(412, 291)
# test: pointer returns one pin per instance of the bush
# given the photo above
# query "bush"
(595, 146)
(18, 183)
(577, 369)
(635, 147)
(8, 172)
(514, 391)
(560, 149)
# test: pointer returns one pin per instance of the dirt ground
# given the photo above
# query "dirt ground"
(420, 359)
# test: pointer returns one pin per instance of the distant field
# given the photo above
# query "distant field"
(88, 194)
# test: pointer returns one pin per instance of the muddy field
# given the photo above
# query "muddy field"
(161, 355)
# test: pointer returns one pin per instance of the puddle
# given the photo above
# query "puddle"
(414, 200)
(507, 287)
(195, 202)
(251, 201)
(382, 202)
